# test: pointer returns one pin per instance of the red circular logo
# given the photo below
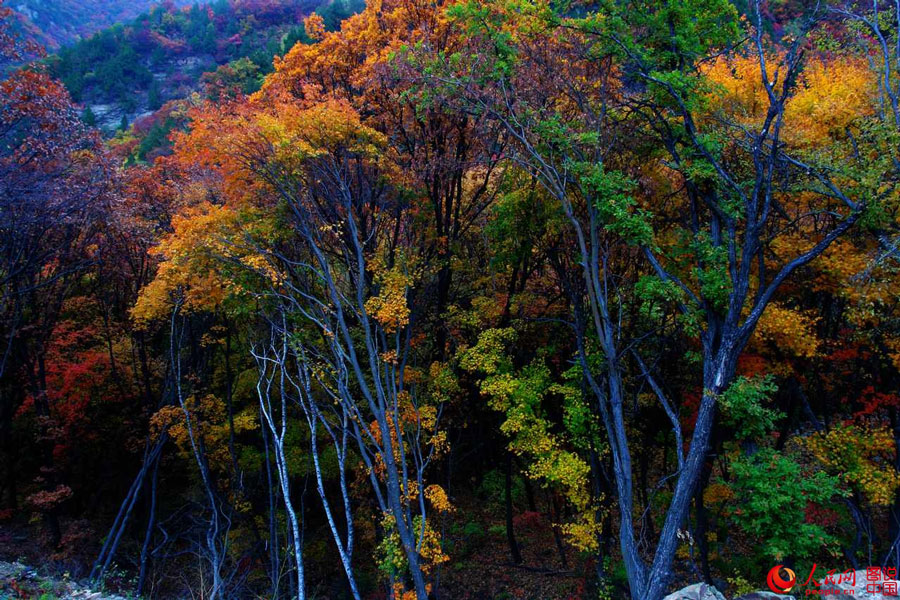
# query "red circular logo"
(778, 583)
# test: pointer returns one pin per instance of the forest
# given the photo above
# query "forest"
(457, 299)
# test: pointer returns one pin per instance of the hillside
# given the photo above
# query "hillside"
(130, 70)
(453, 300)
(56, 23)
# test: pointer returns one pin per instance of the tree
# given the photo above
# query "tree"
(154, 98)
(54, 183)
(89, 118)
(731, 178)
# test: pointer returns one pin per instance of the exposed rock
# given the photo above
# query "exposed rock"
(697, 591)
(18, 579)
(761, 595)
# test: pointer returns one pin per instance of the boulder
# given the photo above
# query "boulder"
(697, 591)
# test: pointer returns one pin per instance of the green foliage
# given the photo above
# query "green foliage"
(89, 118)
(110, 66)
(664, 37)
(156, 139)
(492, 488)
(335, 11)
(154, 98)
(519, 218)
(742, 407)
(712, 272)
(489, 354)
(610, 192)
(655, 293)
(483, 21)
(551, 453)
(773, 492)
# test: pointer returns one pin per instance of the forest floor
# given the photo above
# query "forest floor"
(482, 567)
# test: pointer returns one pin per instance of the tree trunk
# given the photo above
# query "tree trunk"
(510, 533)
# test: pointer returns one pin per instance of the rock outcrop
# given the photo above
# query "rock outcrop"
(765, 596)
(18, 580)
(698, 591)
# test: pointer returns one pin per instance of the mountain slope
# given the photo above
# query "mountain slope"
(56, 23)
(130, 70)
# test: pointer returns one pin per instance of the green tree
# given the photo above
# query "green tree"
(88, 116)
(154, 97)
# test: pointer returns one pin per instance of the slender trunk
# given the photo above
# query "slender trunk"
(529, 493)
(278, 430)
(274, 567)
(229, 406)
(598, 490)
(557, 538)
(151, 456)
(332, 524)
(408, 536)
(510, 533)
(296, 538)
(893, 558)
(151, 523)
(10, 449)
(214, 533)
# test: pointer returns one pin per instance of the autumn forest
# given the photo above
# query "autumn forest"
(453, 299)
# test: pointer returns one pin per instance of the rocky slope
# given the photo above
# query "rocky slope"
(20, 581)
(56, 23)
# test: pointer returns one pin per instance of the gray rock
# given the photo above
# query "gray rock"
(761, 595)
(61, 589)
(697, 591)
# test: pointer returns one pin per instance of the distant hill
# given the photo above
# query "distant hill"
(130, 70)
(56, 23)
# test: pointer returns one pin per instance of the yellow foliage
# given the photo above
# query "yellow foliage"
(389, 307)
(438, 498)
(862, 457)
(314, 25)
(788, 330)
(582, 534)
(830, 95)
(205, 239)
(829, 98)
(209, 424)
(838, 265)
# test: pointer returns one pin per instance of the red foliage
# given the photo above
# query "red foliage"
(529, 521)
(873, 400)
(819, 515)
